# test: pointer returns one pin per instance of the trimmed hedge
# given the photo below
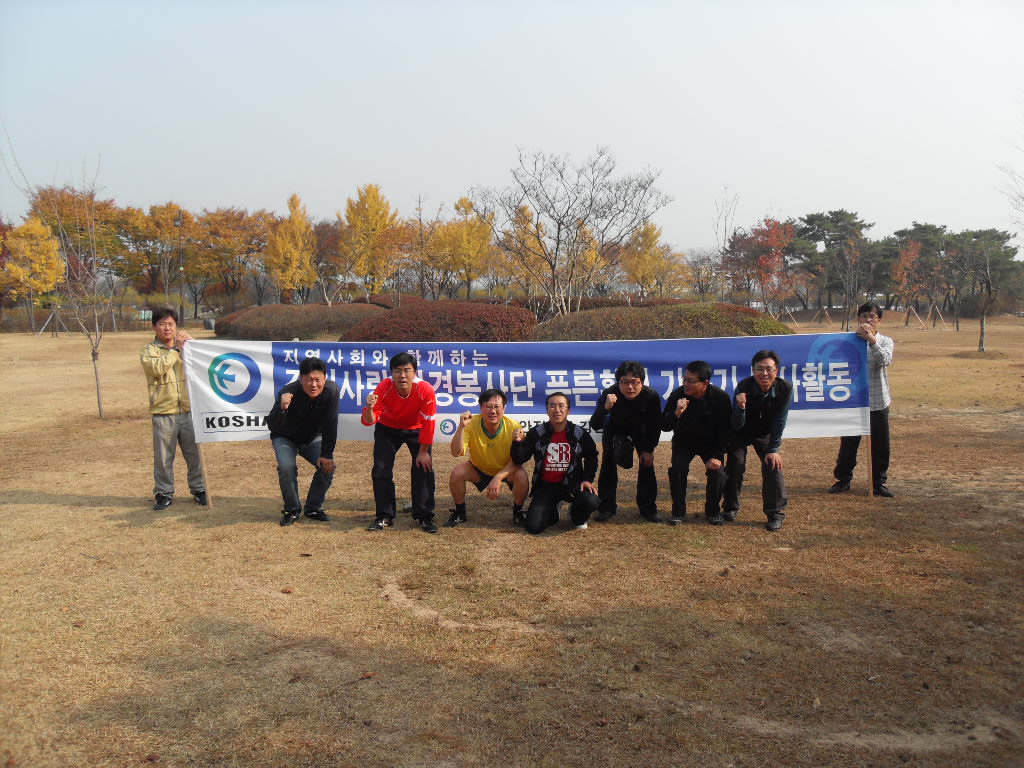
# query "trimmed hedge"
(389, 300)
(539, 304)
(674, 321)
(222, 327)
(447, 321)
(302, 321)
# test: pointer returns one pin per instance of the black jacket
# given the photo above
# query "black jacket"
(306, 418)
(582, 469)
(766, 412)
(639, 418)
(704, 425)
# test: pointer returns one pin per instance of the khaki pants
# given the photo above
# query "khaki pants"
(170, 430)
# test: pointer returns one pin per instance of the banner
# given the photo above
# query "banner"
(233, 384)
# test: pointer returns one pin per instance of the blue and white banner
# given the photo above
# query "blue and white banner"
(233, 383)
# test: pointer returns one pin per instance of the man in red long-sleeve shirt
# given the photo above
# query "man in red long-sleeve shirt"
(403, 409)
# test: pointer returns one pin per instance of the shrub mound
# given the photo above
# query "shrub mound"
(389, 300)
(447, 321)
(223, 325)
(672, 321)
(302, 321)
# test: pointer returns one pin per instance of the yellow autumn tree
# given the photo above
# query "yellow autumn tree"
(470, 243)
(371, 238)
(291, 250)
(35, 265)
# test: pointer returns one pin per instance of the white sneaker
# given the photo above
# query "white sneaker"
(580, 527)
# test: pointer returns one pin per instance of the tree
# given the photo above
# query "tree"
(291, 249)
(371, 238)
(471, 241)
(34, 265)
(559, 221)
(233, 239)
(985, 257)
(839, 237)
(85, 227)
(705, 269)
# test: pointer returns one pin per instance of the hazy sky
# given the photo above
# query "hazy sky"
(901, 111)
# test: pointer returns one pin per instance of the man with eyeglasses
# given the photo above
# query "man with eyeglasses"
(697, 414)
(402, 410)
(760, 410)
(880, 349)
(304, 422)
(565, 461)
(628, 414)
(488, 438)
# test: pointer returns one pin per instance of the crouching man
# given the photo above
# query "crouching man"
(402, 411)
(304, 422)
(488, 438)
(758, 418)
(565, 463)
(697, 414)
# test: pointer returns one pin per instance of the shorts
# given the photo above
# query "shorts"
(485, 479)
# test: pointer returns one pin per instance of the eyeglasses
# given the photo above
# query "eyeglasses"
(867, 316)
(630, 383)
(692, 381)
(764, 369)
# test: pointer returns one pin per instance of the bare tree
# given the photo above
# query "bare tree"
(559, 221)
(705, 271)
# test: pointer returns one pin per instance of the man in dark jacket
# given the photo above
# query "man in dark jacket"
(565, 461)
(304, 421)
(697, 414)
(758, 418)
(629, 415)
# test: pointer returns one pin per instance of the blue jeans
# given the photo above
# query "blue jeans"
(286, 452)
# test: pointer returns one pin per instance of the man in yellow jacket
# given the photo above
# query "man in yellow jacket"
(170, 410)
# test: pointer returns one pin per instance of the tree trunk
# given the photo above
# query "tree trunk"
(981, 334)
(96, 373)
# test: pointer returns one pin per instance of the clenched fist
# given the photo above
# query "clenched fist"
(465, 418)
(681, 406)
(286, 400)
(610, 402)
(741, 400)
(518, 434)
(371, 400)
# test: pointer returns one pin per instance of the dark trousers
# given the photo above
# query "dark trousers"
(682, 455)
(879, 451)
(608, 480)
(386, 443)
(773, 484)
(543, 510)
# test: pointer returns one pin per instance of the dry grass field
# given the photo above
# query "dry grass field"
(868, 632)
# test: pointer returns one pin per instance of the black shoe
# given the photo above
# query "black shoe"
(676, 519)
(201, 498)
(428, 525)
(650, 517)
(730, 516)
(519, 519)
(881, 490)
(163, 501)
(604, 515)
(716, 519)
(841, 486)
(319, 515)
(289, 517)
(380, 524)
(456, 518)
(774, 524)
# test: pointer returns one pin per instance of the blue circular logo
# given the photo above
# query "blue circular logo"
(234, 377)
(831, 349)
(447, 427)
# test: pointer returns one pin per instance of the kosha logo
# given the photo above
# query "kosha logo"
(234, 377)
(447, 427)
